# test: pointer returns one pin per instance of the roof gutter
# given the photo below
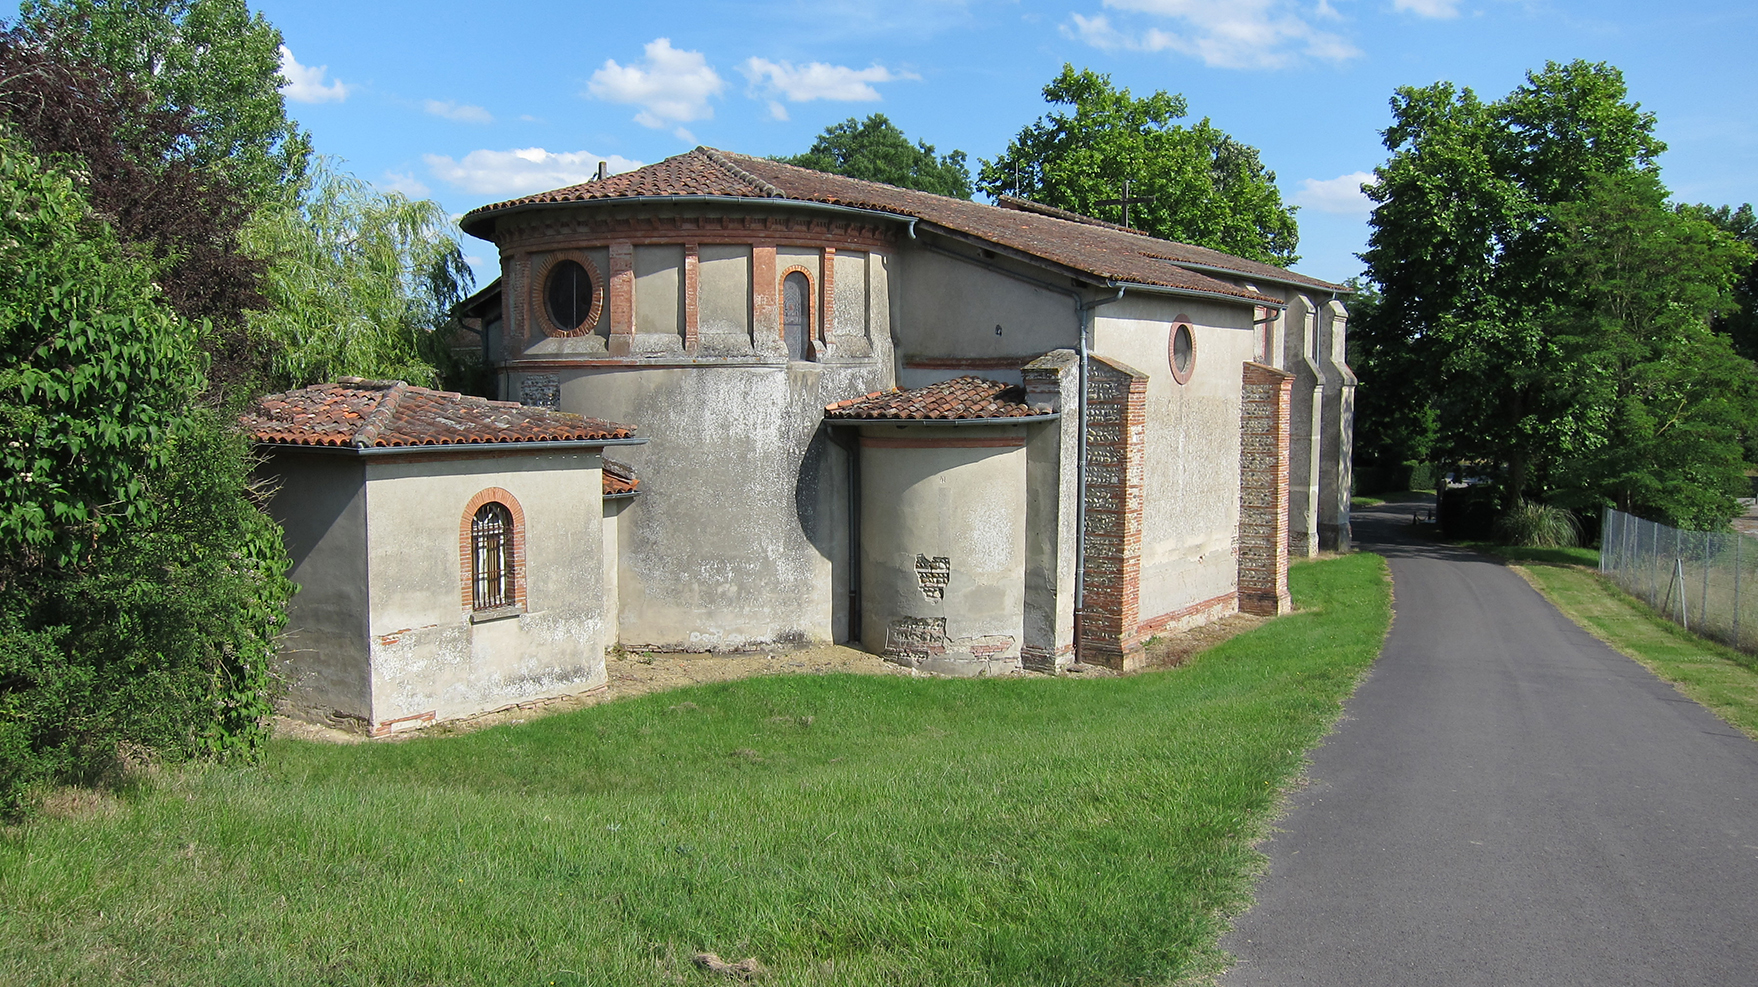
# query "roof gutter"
(652, 200)
(1158, 289)
(566, 445)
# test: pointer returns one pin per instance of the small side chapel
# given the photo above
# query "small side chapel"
(971, 438)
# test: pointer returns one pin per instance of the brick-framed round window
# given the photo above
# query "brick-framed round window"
(1181, 350)
(566, 294)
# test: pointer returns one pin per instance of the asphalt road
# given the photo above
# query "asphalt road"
(1508, 801)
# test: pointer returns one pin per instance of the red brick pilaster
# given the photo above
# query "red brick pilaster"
(1116, 420)
(692, 295)
(622, 297)
(827, 293)
(765, 312)
(1263, 490)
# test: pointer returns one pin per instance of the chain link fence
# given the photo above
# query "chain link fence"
(1706, 581)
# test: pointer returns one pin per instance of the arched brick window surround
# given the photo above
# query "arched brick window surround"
(538, 307)
(1182, 321)
(814, 306)
(466, 553)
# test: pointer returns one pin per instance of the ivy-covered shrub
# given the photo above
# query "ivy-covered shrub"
(140, 586)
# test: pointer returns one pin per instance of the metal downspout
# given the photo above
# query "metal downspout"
(1085, 318)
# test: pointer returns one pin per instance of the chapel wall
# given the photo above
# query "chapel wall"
(1190, 453)
(943, 546)
(432, 657)
(948, 320)
(320, 502)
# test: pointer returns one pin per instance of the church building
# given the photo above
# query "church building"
(971, 438)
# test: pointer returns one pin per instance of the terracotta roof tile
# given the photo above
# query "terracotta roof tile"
(959, 399)
(619, 479)
(1092, 247)
(386, 413)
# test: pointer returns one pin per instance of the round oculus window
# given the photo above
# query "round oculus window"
(567, 295)
(1183, 352)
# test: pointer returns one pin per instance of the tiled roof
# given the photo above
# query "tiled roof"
(959, 399)
(619, 479)
(1101, 250)
(384, 413)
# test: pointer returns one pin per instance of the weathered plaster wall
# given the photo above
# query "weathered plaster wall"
(943, 545)
(1190, 504)
(1337, 438)
(659, 285)
(320, 503)
(428, 657)
(739, 537)
(948, 312)
(1053, 381)
(1300, 344)
(725, 323)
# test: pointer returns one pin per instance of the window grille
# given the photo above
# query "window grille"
(491, 538)
(796, 315)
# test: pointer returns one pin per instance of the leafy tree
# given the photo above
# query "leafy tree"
(1207, 188)
(211, 59)
(1673, 396)
(1741, 324)
(1474, 219)
(358, 282)
(140, 588)
(875, 150)
(132, 162)
(1394, 422)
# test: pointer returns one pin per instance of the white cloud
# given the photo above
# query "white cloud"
(1341, 195)
(1428, 8)
(461, 112)
(818, 80)
(406, 183)
(522, 170)
(1235, 34)
(305, 83)
(671, 87)
(777, 111)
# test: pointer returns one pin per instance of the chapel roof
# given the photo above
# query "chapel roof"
(619, 479)
(1101, 250)
(959, 399)
(363, 414)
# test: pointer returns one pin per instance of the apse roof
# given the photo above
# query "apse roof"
(1103, 251)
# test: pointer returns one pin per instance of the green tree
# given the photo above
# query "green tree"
(1207, 188)
(1741, 324)
(140, 587)
(1671, 398)
(875, 150)
(1466, 238)
(213, 59)
(358, 282)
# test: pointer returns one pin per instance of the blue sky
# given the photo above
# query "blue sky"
(471, 103)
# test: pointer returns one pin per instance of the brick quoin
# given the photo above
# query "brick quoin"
(622, 296)
(1116, 429)
(1263, 490)
(692, 295)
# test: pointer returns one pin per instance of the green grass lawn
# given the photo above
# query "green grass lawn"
(1722, 679)
(842, 829)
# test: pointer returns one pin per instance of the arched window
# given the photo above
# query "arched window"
(796, 315)
(492, 560)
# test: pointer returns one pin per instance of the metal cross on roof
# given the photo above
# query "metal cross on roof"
(1125, 201)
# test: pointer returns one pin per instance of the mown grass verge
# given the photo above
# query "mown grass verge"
(1721, 679)
(843, 830)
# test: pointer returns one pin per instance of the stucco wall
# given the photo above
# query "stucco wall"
(948, 310)
(943, 545)
(1190, 495)
(739, 537)
(427, 654)
(320, 503)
